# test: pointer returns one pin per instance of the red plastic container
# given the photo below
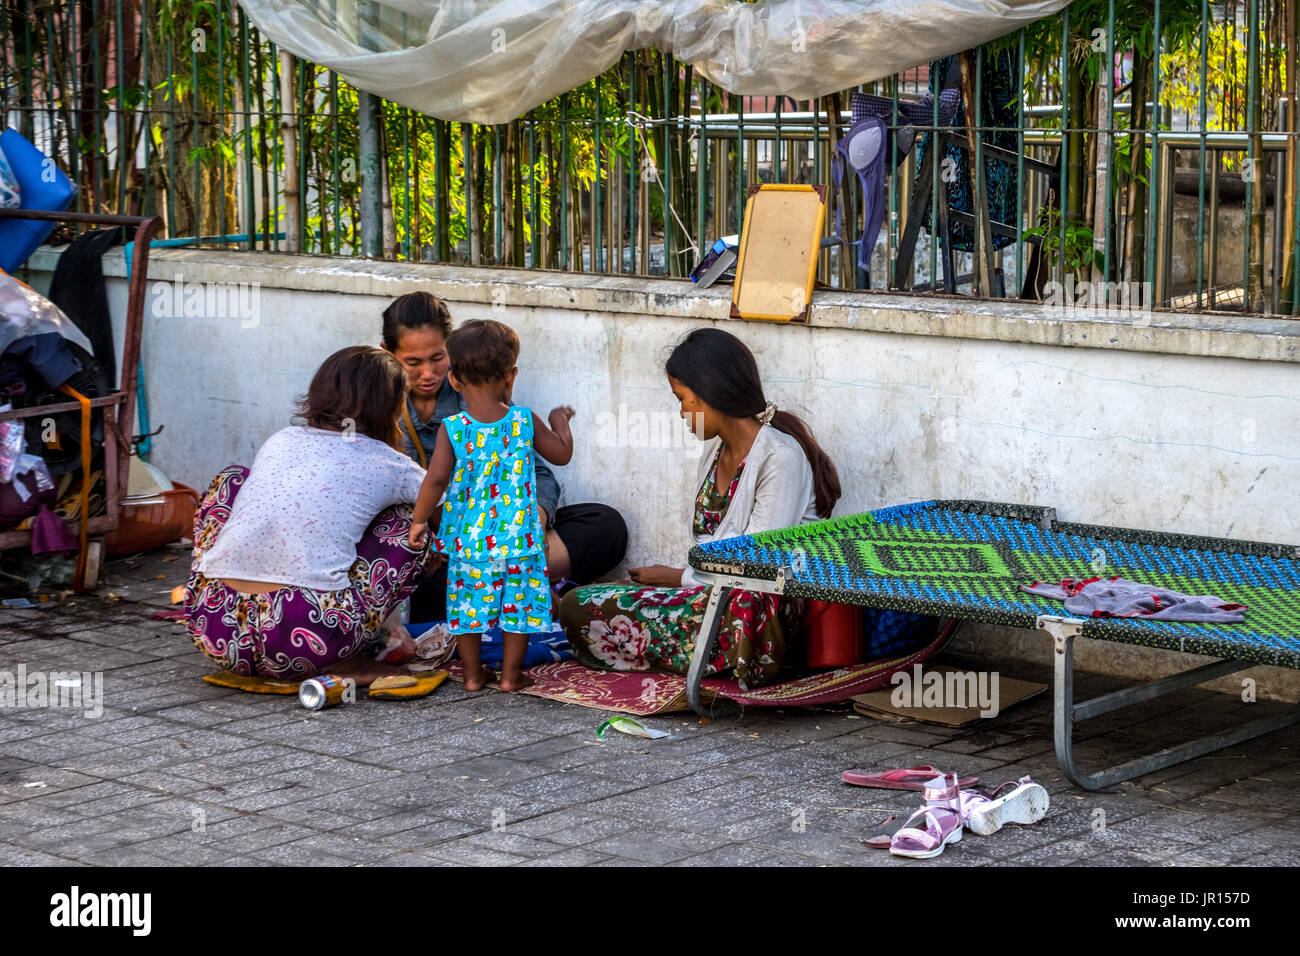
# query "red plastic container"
(145, 527)
(834, 634)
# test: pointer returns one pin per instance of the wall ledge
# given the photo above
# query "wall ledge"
(1169, 333)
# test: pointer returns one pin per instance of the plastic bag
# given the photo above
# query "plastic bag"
(12, 446)
(25, 312)
(11, 196)
(41, 474)
(629, 725)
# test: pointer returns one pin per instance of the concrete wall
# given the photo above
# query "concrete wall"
(1229, 246)
(1173, 422)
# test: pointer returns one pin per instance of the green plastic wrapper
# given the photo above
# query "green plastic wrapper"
(631, 726)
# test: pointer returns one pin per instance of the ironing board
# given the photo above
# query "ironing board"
(967, 559)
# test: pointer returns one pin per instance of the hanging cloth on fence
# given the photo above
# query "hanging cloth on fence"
(911, 114)
(1000, 92)
(491, 62)
(863, 148)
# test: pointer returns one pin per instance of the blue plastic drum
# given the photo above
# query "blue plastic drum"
(43, 186)
(890, 633)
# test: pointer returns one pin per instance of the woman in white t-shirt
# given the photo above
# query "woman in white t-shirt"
(300, 559)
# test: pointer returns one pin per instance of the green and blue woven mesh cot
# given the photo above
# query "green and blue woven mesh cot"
(967, 559)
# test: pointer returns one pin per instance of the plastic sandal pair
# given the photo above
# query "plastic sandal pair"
(948, 809)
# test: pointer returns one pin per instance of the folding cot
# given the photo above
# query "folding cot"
(967, 560)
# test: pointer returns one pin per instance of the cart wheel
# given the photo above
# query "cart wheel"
(94, 563)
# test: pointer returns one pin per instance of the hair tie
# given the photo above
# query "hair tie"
(765, 416)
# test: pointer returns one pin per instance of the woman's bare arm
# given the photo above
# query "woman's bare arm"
(656, 575)
(432, 489)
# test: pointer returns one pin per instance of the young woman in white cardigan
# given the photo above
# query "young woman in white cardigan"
(761, 469)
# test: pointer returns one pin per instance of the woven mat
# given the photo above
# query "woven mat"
(640, 694)
(967, 559)
(644, 694)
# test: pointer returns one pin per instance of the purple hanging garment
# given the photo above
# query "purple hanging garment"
(863, 149)
(911, 113)
(22, 498)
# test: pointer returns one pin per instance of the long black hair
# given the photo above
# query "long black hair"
(721, 370)
(415, 310)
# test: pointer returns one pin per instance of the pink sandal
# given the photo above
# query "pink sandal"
(908, 778)
(942, 816)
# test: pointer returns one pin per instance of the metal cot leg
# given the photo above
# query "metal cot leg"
(719, 591)
(1066, 713)
(704, 644)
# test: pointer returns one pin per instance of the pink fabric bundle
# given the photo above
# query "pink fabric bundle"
(49, 533)
(1116, 597)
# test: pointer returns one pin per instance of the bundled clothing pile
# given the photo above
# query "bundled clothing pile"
(1117, 597)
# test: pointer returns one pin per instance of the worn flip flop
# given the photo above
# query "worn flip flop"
(884, 832)
(404, 686)
(905, 778)
(251, 685)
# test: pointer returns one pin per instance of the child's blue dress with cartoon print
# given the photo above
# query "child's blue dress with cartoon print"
(490, 529)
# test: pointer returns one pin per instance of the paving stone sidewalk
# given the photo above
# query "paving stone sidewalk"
(178, 772)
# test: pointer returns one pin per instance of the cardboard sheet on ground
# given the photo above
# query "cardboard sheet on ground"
(779, 243)
(880, 704)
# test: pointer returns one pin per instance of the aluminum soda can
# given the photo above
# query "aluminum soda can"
(323, 691)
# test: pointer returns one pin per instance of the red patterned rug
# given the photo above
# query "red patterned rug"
(626, 692)
(643, 694)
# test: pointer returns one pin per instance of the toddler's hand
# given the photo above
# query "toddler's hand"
(560, 416)
(419, 534)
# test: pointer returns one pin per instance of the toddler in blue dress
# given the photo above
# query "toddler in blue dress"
(488, 525)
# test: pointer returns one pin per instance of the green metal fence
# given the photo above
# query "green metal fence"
(1151, 144)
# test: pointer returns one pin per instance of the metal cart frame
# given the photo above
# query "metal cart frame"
(119, 405)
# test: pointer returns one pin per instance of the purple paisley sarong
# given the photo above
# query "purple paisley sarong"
(295, 633)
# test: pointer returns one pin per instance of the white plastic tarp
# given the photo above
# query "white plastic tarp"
(490, 62)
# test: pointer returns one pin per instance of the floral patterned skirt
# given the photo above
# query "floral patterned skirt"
(294, 633)
(630, 627)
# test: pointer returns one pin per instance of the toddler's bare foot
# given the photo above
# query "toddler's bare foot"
(481, 679)
(519, 683)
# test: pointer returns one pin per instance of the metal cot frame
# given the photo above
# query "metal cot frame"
(1063, 631)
